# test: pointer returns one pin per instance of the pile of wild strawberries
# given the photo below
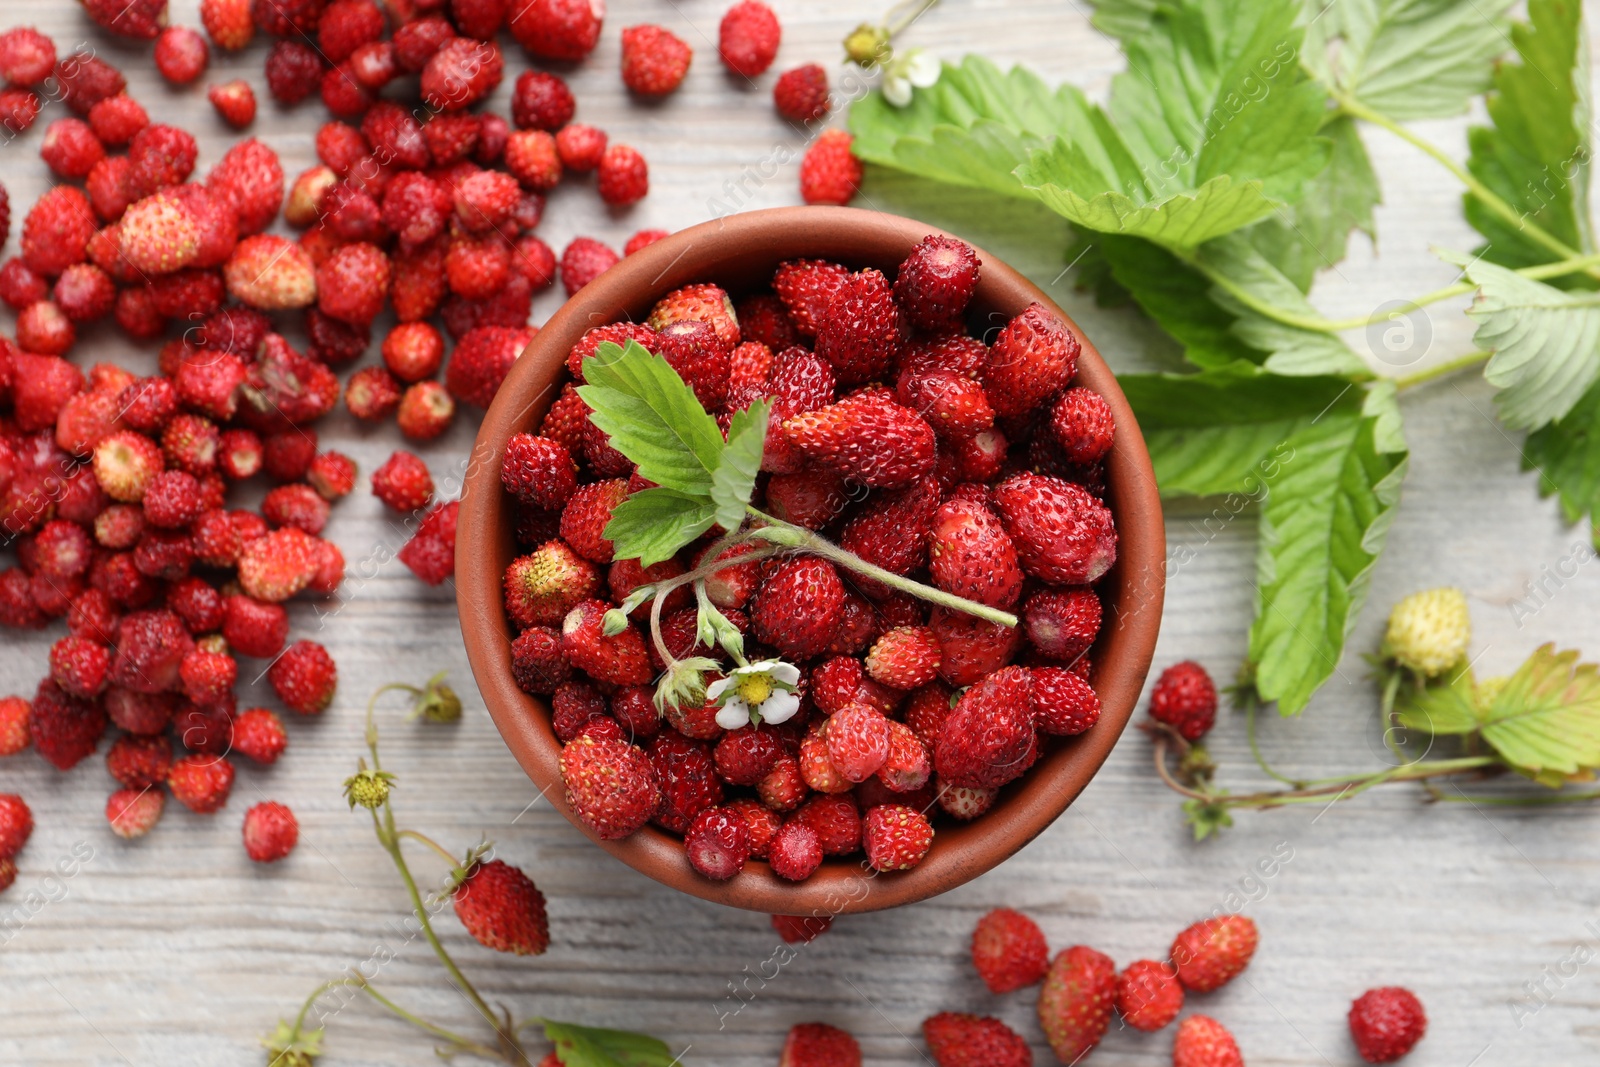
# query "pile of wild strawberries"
(114, 488)
(979, 472)
(1082, 987)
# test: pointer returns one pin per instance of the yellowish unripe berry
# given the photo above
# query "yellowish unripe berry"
(1429, 631)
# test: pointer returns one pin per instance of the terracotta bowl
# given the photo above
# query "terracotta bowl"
(739, 253)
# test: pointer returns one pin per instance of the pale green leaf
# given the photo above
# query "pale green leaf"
(1123, 18)
(1446, 706)
(653, 524)
(588, 1046)
(1546, 721)
(1535, 155)
(1312, 233)
(652, 417)
(1178, 298)
(1294, 351)
(1408, 59)
(1566, 454)
(1546, 343)
(1183, 220)
(734, 480)
(1322, 528)
(1228, 430)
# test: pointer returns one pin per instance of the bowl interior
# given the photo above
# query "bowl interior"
(739, 253)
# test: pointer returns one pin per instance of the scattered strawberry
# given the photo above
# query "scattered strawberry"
(502, 909)
(1386, 1023)
(1149, 995)
(228, 23)
(558, 29)
(1075, 1004)
(201, 783)
(1201, 1041)
(14, 735)
(235, 101)
(654, 60)
(623, 177)
(403, 482)
(1211, 953)
(16, 824)
(1009, 951)
(971, 1041)
(259, 735)
(801, 94)
(748, 38)
(819, 1045)
(304, 677)
(829, 172)
(134, 812)
(270, 832)
(799, 929)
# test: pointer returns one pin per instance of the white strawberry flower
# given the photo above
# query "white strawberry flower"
(906, 71)
(756, 692)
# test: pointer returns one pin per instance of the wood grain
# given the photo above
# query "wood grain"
(177, 950)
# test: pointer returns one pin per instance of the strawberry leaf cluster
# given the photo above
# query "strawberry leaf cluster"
(1226, 168)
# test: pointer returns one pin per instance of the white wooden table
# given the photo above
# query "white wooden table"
(177, 950)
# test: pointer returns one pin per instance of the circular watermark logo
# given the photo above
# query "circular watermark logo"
(1399, 334)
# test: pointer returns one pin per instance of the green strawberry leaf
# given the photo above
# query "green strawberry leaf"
(1177, 297)
(1312, 233)
(1546, 343)
(1446, 706)
(653, 524)
(1322, 528)
(1566, 454)
(1183, 220)
(1123, 19)
(1546, 721)
(1228, 429)
(1409, 59)
(588, 1046)
(652, 417)
(734, 479)
(1535, 156)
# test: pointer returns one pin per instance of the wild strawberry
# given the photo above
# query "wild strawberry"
(819, 1045)
(20, 285)
(1185, 699)
(125, 463)
(584, 519)
(635, 710)
(1009, 951)
(1062, 623)
(413, 351)
(694, 350)
(542, 101)
(748, 38)
(235, 101)
(298, 506)
(610, 785)
(866, 437)
(954, 406)
(502, 909)
(403, 482)
(431, 552)
(971, 556)
(750, 371)
(1385, 1023)
(207, 677)
(477, 268)
(86, 79)
(18, 109)
(332, 475)
(253, 627)
(533, 259)
(579, 147)
(794, 852)
(1033, 358)
(462, 72)
(64, 728)
(717, 843)
(352, 284)
(42, 328)
(56, 230)
(584, 260)
(798, 606)
(201, 783)
(688, 779)
(801, 94)
(904, 658)
(620, 659)
(533, 159)
(293, 71)
(829, 172)
(1082, 424)
(70, 148)
(1212, 952)
(26, 56)
(14, 724)
(836, 821)
(896, 838)
(623, 177)
(861, 332)
(1428, 631)
(481, 362)
(558, 29)
(654, 60)
(705, 303)
(258, 734)
(572, 707)
(970, 1041)
(936, 282)
(16, 824)
(1063, 703)
(270, 273)
(1062, 533)
(485, 201)
(812, 499)
(1149, 995)
(134, 812)
(372, 393)
(537, 662)
(425, 411)
(270, 832)
(1075, 1004)
(798, 929)
(304, 677)
(989, 738)
(747, 755)
(107, 186)
(1201, 1041)
(227, 22)
(139, 713)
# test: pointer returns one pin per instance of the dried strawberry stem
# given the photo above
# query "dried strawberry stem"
(789, 535)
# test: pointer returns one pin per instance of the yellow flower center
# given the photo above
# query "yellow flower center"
(753, 689)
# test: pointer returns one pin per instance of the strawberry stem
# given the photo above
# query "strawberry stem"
(789, 535)
(431, 843)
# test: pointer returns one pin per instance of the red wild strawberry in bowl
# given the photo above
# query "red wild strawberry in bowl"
(792, 531)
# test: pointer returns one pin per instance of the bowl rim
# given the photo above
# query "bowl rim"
(484, 545)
